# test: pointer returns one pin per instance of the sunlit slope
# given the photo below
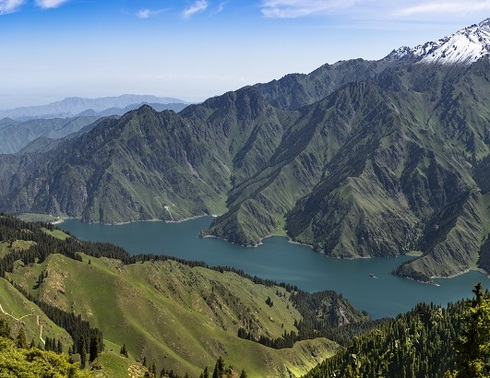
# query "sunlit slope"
(22, 313)
(175, 315)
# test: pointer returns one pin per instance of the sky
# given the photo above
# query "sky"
(196, 49)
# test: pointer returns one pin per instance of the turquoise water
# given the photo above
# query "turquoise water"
(281, 261)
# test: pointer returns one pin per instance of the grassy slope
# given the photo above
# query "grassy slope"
(17, 306)
(179, 317)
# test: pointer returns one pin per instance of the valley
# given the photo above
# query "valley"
(278, 260)
(321, 224)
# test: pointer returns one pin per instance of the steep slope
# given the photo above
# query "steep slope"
(143, 166)
(15, 135)
(297, 90)
(411, 165)
(21, 313)
(465, 46)
(416, 344)
(186, 317)
(314, 136)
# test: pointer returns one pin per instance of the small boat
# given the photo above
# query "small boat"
(372, 276)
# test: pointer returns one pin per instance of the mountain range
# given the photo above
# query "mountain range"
(79, 106)
(39, 128)
(358, 159)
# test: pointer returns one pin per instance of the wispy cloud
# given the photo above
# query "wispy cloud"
(299, 8)
(445, 7)
(380, 9)
(221, 8)
(48, 4)
(198, 7)
(9, 6)
(147, 13)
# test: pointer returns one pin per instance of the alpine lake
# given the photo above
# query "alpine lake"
(367, 283)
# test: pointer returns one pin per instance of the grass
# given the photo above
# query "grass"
(15, 304)
(178, 317)
(34, 217)
(58, 234)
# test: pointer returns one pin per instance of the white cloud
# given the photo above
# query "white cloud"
(198, 7)
(47, 4)
(299, 8)
(9, 6)
(445, 7)
(147, 13)
(143, 13)
(373, 9)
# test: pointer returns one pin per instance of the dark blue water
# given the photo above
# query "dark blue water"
(281, 261)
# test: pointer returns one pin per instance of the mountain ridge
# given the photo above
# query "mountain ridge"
(465, 46)
(378, 165)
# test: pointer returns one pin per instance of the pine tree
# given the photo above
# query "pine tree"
(4, 328)
(205, 373)
(94, 349)
(83, 351)
(21, 339)
(124, 351)
(473, 345)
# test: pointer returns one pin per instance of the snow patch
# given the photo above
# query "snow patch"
(465, 46)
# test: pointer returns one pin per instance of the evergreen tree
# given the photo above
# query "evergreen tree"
(83, 351)
(94, 349)
(205, 373)
(124, 351)
(21, 339)
(4, 328)
(473, 345)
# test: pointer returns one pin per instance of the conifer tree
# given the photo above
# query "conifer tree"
(94, 349)
(21, 339)
(124, 351)
(4, 328)
(473, 345)
(83, 351)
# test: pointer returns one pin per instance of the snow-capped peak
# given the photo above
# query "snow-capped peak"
(463, 47)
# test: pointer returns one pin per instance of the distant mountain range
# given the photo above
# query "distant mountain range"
(77, 106)
(44, 125)
(358, 159)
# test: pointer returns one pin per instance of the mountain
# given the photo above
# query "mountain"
(465, 46)
(357, 159)
(73, 106)
(15, 135)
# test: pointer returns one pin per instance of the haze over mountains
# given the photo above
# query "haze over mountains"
(358, 159)
(77, 106)
(38, 128)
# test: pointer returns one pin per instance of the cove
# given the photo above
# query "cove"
(281, 261)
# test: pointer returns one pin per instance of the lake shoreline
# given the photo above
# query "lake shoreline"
(280, 260)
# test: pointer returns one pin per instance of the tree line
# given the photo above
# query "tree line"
(428, 342)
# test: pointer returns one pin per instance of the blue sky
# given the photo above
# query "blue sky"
(51, 49)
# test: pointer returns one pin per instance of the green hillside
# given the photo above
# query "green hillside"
(175, 315)
(179, 316)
